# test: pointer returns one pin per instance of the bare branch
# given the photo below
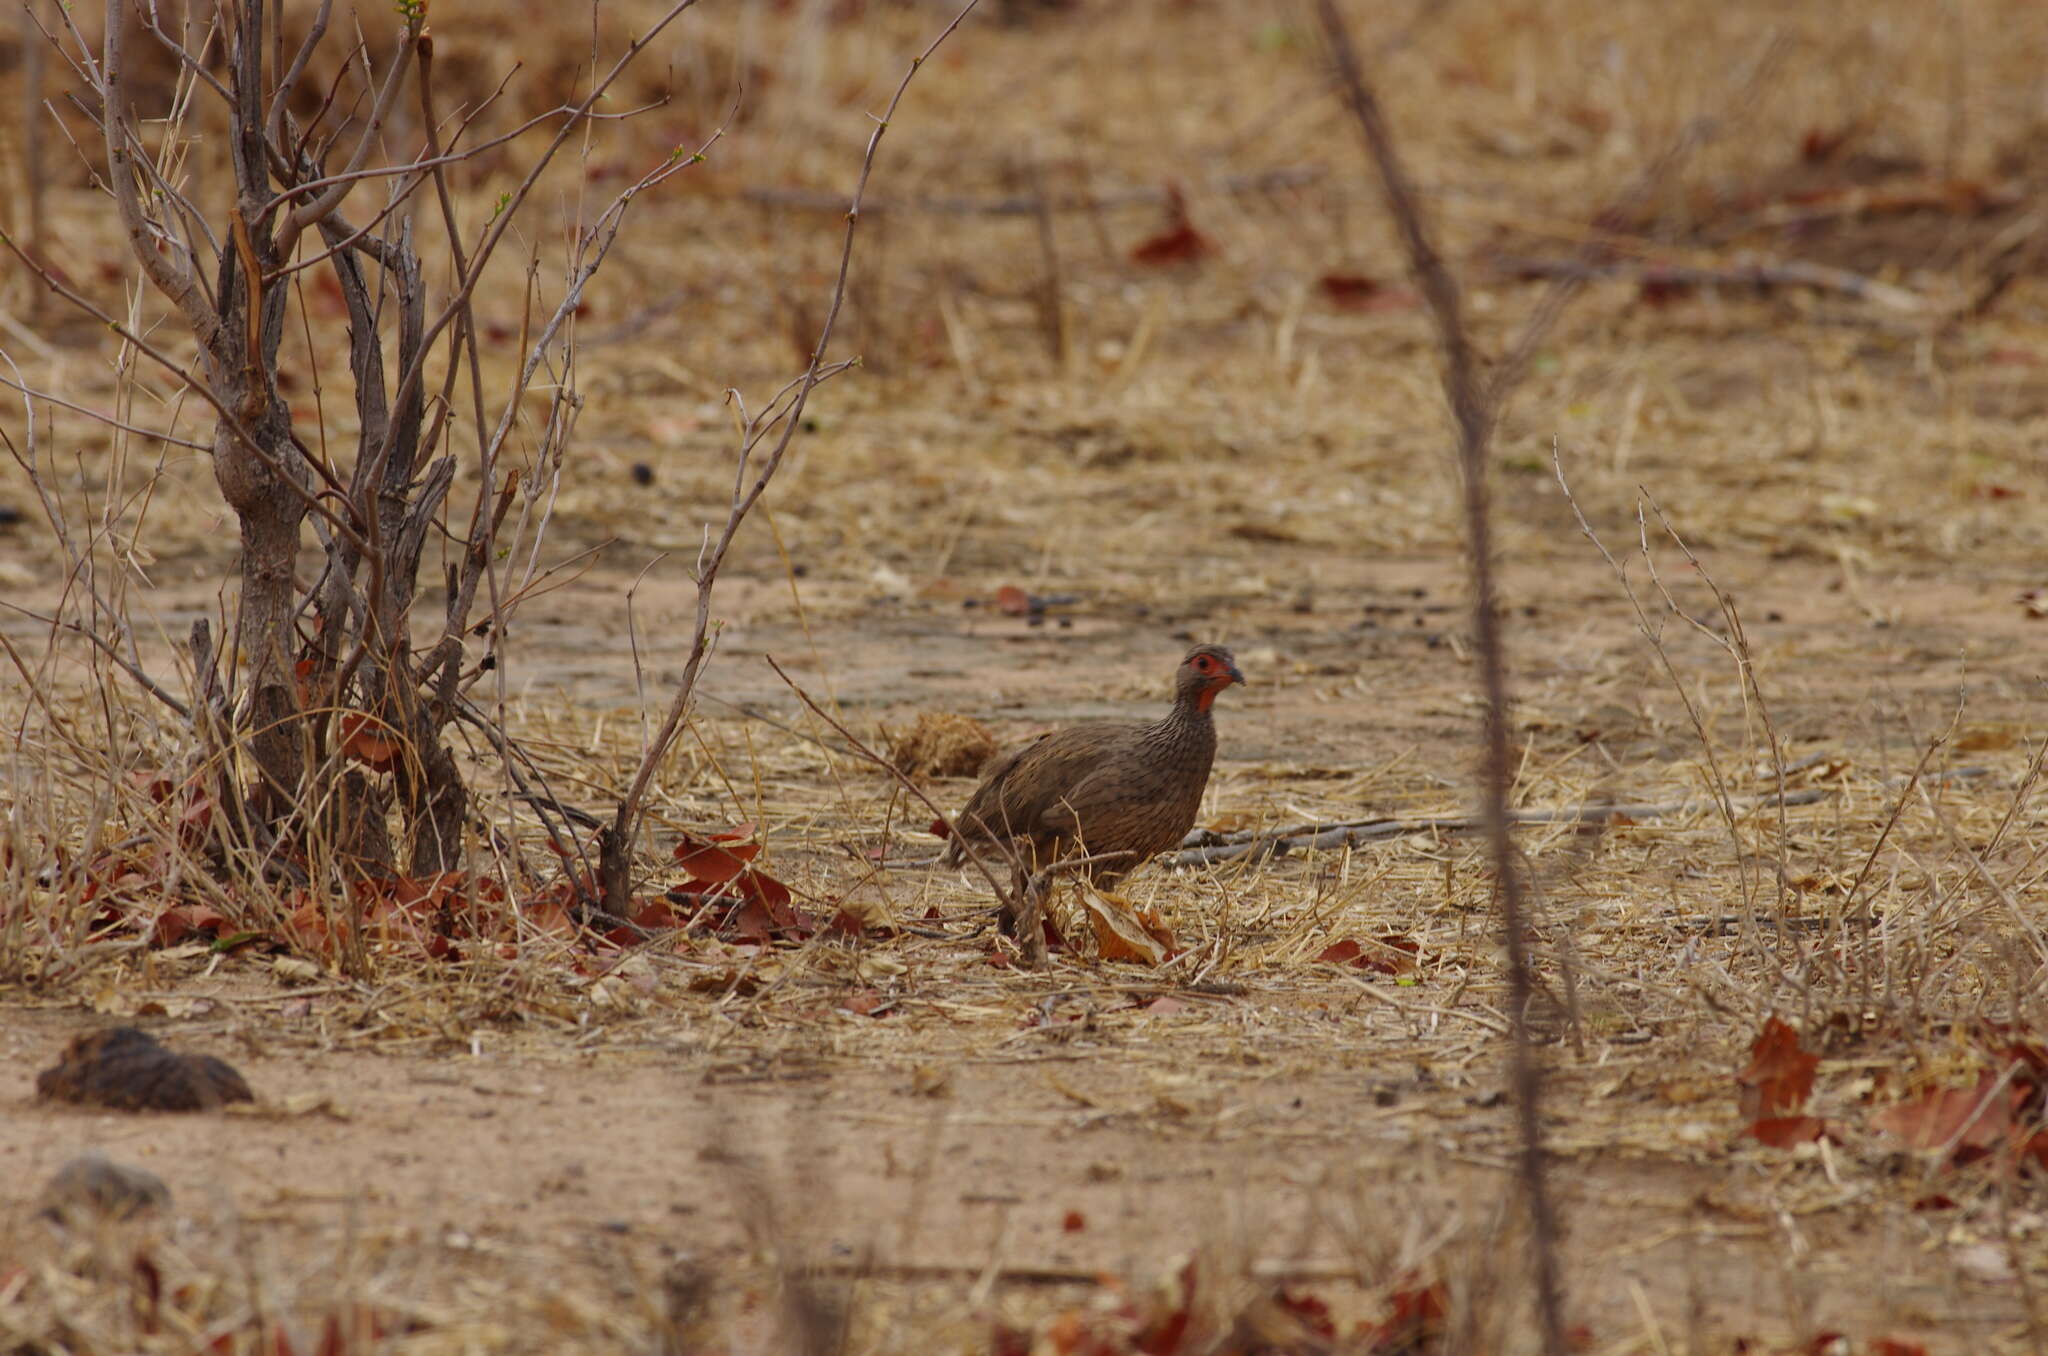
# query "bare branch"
(170, 275)
(310, 213)
(229, 419)
(621, 835)
(101, 417)
(281, 98)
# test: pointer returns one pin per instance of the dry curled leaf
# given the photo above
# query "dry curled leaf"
(1965, 1122)
(368, 740)
(1779, 1077)
(721, 858)
(1127, 935)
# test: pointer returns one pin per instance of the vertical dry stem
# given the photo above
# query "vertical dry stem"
(1472, 409)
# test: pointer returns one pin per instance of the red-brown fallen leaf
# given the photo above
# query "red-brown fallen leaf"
(846, 925)
(720, 859)
(656, 915)
(1969, 1121)
(1310, 1311)
(1394, 953)
(758, 910)
(1782, 1132)
(1825, 1344)
(1821, 144)
(1073, 1222)
(1349, 291)
(1069, 1331)
(1780, 1074)
(1891, 1346)
(368, 740)
(2006, 1048)
(550, 914)
(1356, 292)
(1659, 288)
(1937, 1201)
(941, 829)
(180, 921)
(1415, 1314)
(867, 1003)
(306, 927)
(649, 915)
(1008, 1341)
(1012, 601)
(1181, 244)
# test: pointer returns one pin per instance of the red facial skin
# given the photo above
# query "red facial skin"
(1219, 677)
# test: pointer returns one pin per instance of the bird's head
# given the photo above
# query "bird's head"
(1206, 671)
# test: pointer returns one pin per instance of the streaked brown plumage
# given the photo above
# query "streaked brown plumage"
(1095, 790)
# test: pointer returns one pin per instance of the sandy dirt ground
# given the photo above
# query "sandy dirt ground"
(900, 1144)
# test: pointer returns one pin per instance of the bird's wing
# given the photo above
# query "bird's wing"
(1028, 791)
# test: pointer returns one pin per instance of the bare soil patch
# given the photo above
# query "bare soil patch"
(700, 1143)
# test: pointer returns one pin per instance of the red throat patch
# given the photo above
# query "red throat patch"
(1208, 694)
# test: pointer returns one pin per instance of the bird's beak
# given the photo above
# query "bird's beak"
(1235, 676)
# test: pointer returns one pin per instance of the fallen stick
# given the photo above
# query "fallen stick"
(1388, 827)
(1029, 204)
(1761, 276)
(1203, 847)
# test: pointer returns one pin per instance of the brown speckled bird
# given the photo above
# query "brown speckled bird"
(1123, 792)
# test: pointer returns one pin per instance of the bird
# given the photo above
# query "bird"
(1106, 796)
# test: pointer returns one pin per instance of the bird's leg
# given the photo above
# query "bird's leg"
(1013, 903)
(1030, 933)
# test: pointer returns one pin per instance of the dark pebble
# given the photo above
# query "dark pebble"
(93, 1186)
(127, 1069)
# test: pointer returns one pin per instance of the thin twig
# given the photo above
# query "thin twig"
(903, 779)
(1473, 410)
(625, 827)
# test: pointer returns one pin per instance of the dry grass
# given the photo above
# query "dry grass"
(1223, 451)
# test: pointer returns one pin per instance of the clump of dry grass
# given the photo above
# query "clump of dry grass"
(942, 744)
